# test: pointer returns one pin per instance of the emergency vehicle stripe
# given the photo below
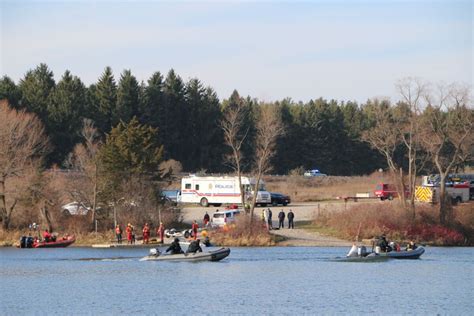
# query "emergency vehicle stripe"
(424, 194)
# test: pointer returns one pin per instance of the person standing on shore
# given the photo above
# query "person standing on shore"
(160, 231)
(118, 233)
(265, 218)
(291, 216)
(270, 224)
(281, 219)
(129, 231)
(206, 219)
(146, 233)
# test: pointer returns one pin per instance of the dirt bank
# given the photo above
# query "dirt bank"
(299, 237)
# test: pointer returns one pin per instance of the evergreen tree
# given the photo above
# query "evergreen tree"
(203, 126)
(212, 154)
(90, 107)
(35, 89)
(130, 151)
(127, 98)
(106, 98)
(174, 118)
(9, 91)
(65, 108)
(153, 103)
(287, 157)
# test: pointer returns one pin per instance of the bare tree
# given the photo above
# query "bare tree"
(412, 91)
(85, 184)
(234, 136)
(447, 127)
(23, 144)
(269, 128)
(386, 137)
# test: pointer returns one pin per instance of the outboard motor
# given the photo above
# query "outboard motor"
(361, 251)
(154, 252)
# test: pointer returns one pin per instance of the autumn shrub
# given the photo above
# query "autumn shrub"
(373, 219)
(242, 233)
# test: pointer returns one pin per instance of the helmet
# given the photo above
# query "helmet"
(176, 239)
(153, 252)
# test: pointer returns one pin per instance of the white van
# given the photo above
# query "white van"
(222, 218)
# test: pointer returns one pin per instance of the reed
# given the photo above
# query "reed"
(243, 234)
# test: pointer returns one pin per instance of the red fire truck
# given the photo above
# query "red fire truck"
(386, 191)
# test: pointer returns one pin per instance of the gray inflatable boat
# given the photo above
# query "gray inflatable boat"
(214, 255)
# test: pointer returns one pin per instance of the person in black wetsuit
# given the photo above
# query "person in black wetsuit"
(194, 247)
(175, 248)
(383, 244)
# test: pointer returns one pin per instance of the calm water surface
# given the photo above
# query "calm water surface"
(256, 281)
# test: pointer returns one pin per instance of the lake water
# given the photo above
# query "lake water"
(251, 281)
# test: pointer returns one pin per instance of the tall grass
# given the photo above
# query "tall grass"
(390, 219)
(243, 234)
(302, 189)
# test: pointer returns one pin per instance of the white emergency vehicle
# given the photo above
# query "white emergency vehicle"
(219, 190)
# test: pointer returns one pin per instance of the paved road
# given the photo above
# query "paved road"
(303, 211)
(293, 237)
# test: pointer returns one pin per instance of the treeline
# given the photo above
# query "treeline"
(319, 134)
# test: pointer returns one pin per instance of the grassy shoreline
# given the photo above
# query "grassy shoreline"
(238, 239)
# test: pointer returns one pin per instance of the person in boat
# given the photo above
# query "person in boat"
(395, 246)
(161, 232)
(411, 246)
(195, 227)
(194, 247)
(118, 233)
(146, 233)
(175, 248)
(207, 241)
(47, 236)
(206, 219)
(383, 244)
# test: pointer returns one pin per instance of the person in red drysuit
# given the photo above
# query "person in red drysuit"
(195, 227)
(146, 233)
(160, 231)
(129, 232)
(47, 236)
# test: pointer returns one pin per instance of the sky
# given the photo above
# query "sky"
(270, 50)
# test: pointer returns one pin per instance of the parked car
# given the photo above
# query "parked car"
(172, 197)
(278, 198)
(186, 233)
(222, 218)
(314, 173)
(75, 208)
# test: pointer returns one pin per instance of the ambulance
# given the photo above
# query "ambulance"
(221, 190)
